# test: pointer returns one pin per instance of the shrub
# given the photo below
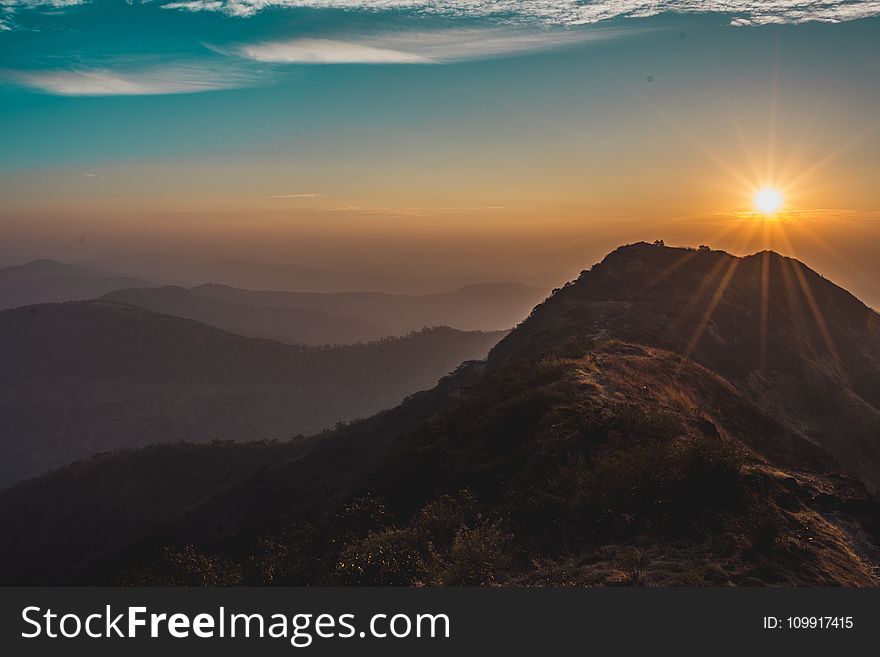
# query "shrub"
(440, 520)
(680, 486)
(390, 557)
(286, 559)
(186, 567)
(478, 556)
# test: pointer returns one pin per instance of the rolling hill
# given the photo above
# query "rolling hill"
(253, 275)
(285, 324)
(321, 318)
(85, 377)
(47, 281)
(672, 417)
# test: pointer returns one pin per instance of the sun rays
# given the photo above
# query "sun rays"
(763, 173)
(797, 292)
(768, 232)
(774, 185)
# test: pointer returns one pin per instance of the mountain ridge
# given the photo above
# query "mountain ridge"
(817, 338)
(616, 436)
(51, 281)
(88, 376)
(307, 326)
(336, 318)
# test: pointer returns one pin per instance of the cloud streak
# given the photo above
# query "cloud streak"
(327, 51)
(436, 47)
(546, 12)
(306, 195)
(8, 9)
(176, 79)
(569, 12)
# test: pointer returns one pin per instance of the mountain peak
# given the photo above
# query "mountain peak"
(42, 266)
(685, 298)
(45, 262)
(796, 342)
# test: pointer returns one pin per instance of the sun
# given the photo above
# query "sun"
(768, 200)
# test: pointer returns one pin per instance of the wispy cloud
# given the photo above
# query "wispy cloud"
(174, 79)
(306, 195)
(6, 14)
(8, 9)
(328, 51)
(813, 215)
(415, 47)
(12, 5)
(570, 12)
(411, 211)
(546, 12)
(33, 4)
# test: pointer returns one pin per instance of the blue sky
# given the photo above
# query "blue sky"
(347, 133)
(241, 53)
(132, 47)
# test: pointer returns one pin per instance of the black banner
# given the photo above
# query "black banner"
(130, 622)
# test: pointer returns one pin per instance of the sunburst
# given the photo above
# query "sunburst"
(768, 200)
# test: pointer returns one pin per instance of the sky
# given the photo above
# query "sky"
(498, 138)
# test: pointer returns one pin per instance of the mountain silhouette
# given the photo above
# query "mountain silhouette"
(46, 281)
(337, 318)
(293, 277)
(803, 349)
(85, 377)
(285, 324)
(672, 417)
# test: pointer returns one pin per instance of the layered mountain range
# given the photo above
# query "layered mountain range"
(85, 377)
(44, 281)
(337, 318)
(672, 417)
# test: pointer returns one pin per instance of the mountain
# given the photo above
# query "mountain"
(85, 377)
(479, 307)
(292, 277)
(285, 324)
(342, 318)
(672, 417)
(44, 281)
(801, 348)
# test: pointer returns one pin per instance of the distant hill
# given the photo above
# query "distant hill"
(292, 277)
(45, 281)
(292, 325)
(86, 377)
(339, 318)
(485, 306)
(673, 417)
